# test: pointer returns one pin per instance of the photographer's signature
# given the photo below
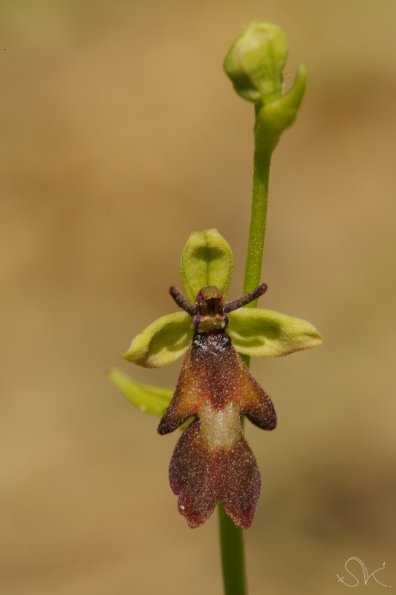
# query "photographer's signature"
(366, 575)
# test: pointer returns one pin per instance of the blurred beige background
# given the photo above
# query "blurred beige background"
(119, 136)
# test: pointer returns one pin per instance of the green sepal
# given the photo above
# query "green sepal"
(149, 399)
(206, 260)
(265, 333)
(162, 342)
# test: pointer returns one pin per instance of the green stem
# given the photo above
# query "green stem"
(254, 64)
(258, 220)
(231, 537)
(232, 555)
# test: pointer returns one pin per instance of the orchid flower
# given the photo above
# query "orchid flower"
(212, 461)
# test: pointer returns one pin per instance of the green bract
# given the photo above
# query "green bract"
(265, 333)
(274, 117)
(149, 399)
(207, 259)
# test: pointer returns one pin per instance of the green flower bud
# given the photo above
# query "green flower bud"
(255, 61)
(255, 65)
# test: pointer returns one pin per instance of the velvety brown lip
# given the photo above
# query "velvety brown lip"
(212, 461)
(201, 479)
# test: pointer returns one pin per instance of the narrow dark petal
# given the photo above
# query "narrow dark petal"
(201, 479)
(182, 302)
(246, 299)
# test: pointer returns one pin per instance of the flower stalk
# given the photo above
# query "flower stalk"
(255, 65)
(232, 555)
(258, 219)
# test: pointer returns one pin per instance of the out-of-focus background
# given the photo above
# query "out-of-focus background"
(119, 136)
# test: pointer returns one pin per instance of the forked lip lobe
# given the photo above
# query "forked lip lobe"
(202, 478)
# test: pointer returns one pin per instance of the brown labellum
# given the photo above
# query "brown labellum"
(212, 461)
